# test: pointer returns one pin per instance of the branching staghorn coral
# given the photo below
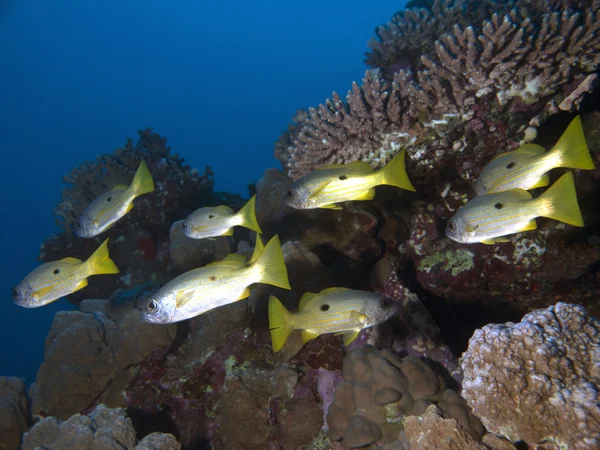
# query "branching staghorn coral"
(476, 90)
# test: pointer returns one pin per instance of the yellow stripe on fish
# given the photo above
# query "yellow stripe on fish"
(527, 167)
(56, 279)
(114, 204)
(337, 183)
(490, 217)
(334, 310)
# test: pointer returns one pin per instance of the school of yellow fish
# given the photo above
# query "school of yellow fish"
(503, 206)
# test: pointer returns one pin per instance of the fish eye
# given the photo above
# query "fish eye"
(15, 294)
(56, 272)
(451, 225)
(151, 305)
(510, 165)
(183, 227)
(108, 199)
(79, 225)
(324, 307)
(386, 303)
(289, 193)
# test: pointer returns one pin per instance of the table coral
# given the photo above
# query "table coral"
(538, 380)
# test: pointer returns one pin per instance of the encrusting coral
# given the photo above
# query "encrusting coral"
(538, 380)
(140, 241)
(441, 81)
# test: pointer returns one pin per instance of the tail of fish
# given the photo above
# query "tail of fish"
(571, 149)
(100, 262)
(280, 323)
(559, 202)
(394, 174)
(248, 216)
(272, 265)
(142, 181)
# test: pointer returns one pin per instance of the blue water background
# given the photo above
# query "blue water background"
(221, 80)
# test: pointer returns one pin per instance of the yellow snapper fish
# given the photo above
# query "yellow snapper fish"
(217, 284)
(488, 217)
(220, 220)
(336, 183)
(527, 167)
(335, 310)
(55, 279)
(109, 207)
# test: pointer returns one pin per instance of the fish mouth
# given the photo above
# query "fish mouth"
(21, 298)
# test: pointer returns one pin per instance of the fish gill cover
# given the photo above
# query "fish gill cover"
(454, 83)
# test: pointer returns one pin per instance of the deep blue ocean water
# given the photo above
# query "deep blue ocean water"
(221, 80)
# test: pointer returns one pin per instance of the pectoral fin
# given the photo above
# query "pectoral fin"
(183, 297)
(349, 336)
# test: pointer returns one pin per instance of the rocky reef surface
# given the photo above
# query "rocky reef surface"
(495, 347)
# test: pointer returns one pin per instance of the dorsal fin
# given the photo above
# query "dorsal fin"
(224, 209)
(71, 260)
(360, 166)
(334, 289)
(120, 187)
(236, 257)
(305, 300)
(233, 263)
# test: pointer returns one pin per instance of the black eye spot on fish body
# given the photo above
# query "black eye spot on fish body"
(56, 271)
(151, 306)
(498, 205)
(386, 303)
(510, 165)
(213, 278)
(211, 216)
(324, 307)
(108, 199)
(343, 177)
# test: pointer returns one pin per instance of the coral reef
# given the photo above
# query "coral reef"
(378, 392)
(14, 412)
(538, 380)
(102, 429)
(139, 241)
(92, 354)
(450, 77)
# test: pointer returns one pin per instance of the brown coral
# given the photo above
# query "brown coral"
(379, 390)
(538, 379)
(475, 89)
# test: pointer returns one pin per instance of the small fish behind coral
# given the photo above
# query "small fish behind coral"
(217, 284)
(220, 220)
(487, 218)
(527, 167)
(335, 310)
(114, 204)
(337, 183)
(55, 279)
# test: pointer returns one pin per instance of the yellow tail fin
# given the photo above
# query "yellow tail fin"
(572, 148)
(258, 249)
(248, 216)
(142, 181)
(559, 202)
(100, 262)
(272, 265)
(280, 323)
(394, 174)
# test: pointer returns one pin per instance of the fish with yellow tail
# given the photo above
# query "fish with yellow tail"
(488, 218)
(217, 284)
(337, 183)
(528, 166)
(55, 279)
(335, 310)
(220, 220)
(109, 207)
